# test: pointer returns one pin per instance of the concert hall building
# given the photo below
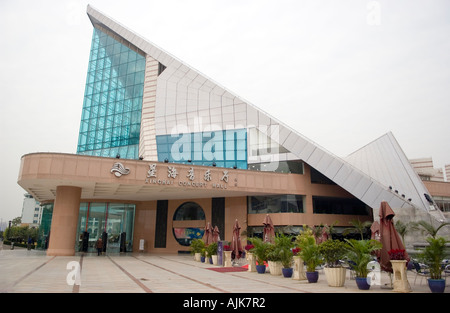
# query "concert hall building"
(163, 150)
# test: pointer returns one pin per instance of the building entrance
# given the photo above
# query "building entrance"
(113, 222)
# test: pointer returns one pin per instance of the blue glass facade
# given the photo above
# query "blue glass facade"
(111, 117)
(225, 148)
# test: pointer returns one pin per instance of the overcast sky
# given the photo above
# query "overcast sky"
(342, 73)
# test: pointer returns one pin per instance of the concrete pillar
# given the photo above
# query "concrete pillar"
(64, 221)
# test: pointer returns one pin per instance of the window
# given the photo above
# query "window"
(331, 205)
(275, 204)
(188, 211)
(294, 167)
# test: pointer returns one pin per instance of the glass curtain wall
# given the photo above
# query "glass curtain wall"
(222, 148)
(44, 228)
(111, 116)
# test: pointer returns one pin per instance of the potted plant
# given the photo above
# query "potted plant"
(203, 255)
(398, 260)
(274, 260)
(260, 250)
(359, 253)
(298, 270)
(309, 252)
(433, 255)
(196, 248)
(284, 246)
(333, 251)
(211, 249)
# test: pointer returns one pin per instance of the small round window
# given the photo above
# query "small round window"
(188, 211)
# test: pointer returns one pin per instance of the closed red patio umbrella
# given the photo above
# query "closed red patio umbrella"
(216, 234)
(208, 237)
(388, 236)
(236, 245)
(269, 230)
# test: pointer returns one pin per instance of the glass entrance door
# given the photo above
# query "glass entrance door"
(114, 219)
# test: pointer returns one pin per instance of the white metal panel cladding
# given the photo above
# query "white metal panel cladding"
(315, 158)
(184, 94)
(342, 175)
(371, 194)
(324, 162)
(360, 188)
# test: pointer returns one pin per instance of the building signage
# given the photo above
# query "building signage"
(118, 170)
(190, 178)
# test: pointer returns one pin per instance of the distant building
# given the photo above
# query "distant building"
(425, 169)
(31, 211)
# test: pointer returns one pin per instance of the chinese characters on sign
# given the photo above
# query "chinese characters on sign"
(172, 173)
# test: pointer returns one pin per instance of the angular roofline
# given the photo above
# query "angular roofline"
(343, 173)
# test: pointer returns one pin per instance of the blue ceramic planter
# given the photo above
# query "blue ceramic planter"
(436, 285)
(287, 272)
(362, 284)
(261, 269)
(312, 277)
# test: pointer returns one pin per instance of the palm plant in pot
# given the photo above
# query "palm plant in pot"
(196, 247)
(309, 252)
(274, 259)
(333, 251)
(433, 255)
(359, 253)
(211, 249)
(284, 245)
(260, 250)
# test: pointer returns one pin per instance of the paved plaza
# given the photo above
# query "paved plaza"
(23, 271)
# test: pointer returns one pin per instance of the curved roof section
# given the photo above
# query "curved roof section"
(184, 94)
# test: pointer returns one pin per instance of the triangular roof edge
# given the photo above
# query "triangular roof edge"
(335, 168)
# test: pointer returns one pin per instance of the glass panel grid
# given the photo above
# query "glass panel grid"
(113, 100)
(225, 148)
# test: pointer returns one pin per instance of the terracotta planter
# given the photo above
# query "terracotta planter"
(251, 258)
(400, 279)
(275, 267)
(335, 276)
(299, 270)
(227, 259)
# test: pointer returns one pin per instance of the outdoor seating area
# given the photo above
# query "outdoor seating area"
(314, 252)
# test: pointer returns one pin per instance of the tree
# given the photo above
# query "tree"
(428, 228)
(359, 227)
(402, 229)
(16, 221)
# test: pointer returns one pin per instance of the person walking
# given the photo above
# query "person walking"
(99, 246)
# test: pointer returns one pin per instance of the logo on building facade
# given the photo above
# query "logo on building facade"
(118, 170)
